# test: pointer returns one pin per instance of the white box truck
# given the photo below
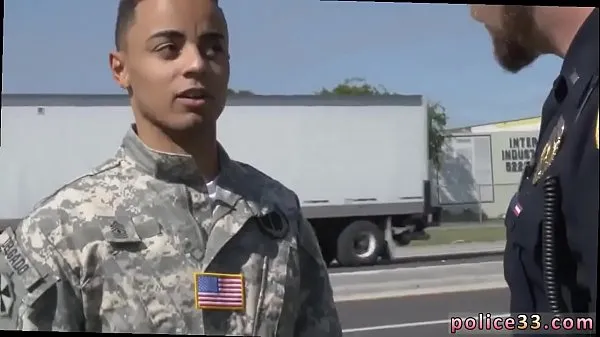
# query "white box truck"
(358, 164)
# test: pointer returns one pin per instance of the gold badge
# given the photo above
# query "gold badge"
(550, 150)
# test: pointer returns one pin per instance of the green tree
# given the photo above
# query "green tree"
(436, 112)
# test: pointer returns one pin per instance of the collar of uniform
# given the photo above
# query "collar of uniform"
(582, 55)
(171, 167)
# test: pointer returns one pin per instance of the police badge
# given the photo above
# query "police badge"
(551, 148)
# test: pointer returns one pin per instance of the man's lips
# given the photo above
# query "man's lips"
(193, 97)
(192, 102)
(194, 93)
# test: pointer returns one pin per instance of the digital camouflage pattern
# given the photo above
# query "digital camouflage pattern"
(116, 250)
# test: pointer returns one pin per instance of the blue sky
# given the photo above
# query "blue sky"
(292, 47)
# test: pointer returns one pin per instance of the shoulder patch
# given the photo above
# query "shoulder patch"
(15, 270)
(7, 295)
(17, 260)
(14, 293)
(274, 224)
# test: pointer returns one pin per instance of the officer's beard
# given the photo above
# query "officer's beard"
(516, 43)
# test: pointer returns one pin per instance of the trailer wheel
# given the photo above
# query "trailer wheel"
(361, 243)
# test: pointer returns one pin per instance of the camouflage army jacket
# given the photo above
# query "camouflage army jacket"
(137, 245)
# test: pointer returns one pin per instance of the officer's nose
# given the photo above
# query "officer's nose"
(194, 60)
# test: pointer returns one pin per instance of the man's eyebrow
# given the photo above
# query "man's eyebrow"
(175, 34)
(212, 35)
(168, 33)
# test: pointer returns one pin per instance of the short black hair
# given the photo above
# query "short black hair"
(125, 17)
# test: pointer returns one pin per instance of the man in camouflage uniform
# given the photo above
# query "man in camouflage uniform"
(143, 243)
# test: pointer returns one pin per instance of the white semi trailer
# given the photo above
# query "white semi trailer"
(358, 164)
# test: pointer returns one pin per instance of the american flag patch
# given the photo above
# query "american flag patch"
(517, 209)
(219, 291)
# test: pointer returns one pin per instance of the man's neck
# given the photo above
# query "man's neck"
(203, 148)
(560, 25)
(206, 156)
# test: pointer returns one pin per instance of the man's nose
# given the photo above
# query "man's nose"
(194, 60)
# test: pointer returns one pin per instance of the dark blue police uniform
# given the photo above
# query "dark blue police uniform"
(568, 151)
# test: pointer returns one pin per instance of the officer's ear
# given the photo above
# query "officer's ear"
(118, 68)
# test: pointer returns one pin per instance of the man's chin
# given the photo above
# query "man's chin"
(508, 66)
(187, 121)
(514, 62)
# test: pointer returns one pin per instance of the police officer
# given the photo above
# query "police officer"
(551, 255)
(170, 235)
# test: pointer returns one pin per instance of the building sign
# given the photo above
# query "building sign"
(519, 152)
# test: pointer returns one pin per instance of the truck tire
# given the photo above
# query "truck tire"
(360, 243)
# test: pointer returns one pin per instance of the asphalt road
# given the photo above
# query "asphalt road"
(423, 316)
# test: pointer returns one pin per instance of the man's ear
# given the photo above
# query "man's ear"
(118, 68)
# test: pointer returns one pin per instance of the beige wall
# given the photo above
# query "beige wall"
(510, 150)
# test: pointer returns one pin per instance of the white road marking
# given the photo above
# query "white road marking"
(405, 325)
(420, 292)
(395, 270)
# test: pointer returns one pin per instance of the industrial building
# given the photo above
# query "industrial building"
(482, 167)
(521, 124)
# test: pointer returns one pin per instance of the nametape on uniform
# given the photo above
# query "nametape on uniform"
(219, 291)
(17, 260)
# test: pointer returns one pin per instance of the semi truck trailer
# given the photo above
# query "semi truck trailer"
(359, 165)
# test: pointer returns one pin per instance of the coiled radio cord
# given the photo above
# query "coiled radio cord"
(550, 220)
